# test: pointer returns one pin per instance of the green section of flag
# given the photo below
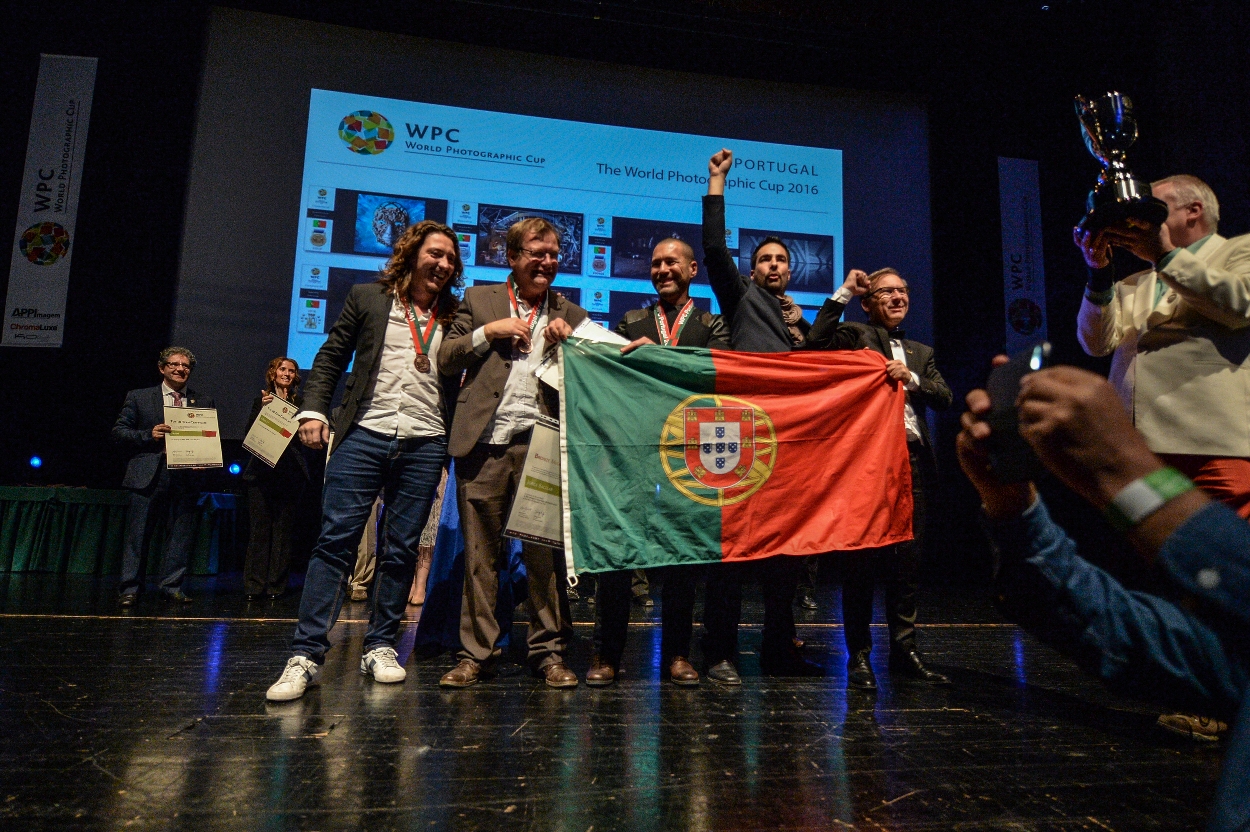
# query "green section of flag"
(615, 408)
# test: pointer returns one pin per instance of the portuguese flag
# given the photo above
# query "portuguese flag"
(677, 455)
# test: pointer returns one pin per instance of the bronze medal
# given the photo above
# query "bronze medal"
(420, 343)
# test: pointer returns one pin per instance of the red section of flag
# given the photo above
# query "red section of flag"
(841, 479)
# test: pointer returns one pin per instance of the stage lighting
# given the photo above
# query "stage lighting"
(235, 468)
(36, 462)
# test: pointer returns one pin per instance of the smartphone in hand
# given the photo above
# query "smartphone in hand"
(1011, 458)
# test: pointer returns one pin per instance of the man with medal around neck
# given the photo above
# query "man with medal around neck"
(673, 321)
(498, 339)
(390, 438)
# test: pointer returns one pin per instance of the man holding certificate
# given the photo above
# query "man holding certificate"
(499, 337)
(142, 427)
(390, 438)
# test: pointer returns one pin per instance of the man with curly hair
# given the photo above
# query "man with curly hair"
(389, 437)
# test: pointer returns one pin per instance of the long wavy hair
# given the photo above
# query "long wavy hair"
(271, 376)
(397, 273)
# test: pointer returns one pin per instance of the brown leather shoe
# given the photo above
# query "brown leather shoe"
(601, 674)
(681, 672)
(462, 675)
(558, 676)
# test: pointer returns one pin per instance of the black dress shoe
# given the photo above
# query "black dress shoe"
(176, 596)
(251, 596)
(128, 599)
(859, 673)
(789, 663)
(910, 664)
(807, 602)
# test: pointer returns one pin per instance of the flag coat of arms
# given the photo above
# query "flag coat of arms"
(677, 455)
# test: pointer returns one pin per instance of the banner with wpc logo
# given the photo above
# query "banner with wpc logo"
(680, 455)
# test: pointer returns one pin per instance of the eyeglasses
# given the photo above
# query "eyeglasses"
(178, 364)
(889, 291)
(541, 255)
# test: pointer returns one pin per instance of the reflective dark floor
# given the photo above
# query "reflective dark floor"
(157, 720)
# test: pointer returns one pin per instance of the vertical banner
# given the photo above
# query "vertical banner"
(1024, 274)
(34, 309)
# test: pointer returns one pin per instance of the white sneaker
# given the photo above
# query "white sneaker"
(299, 672)
(383, 664)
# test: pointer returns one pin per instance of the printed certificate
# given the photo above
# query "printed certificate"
(272, 431)
(193, 442)
(537, 513)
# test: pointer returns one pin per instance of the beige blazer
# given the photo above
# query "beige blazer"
(1181, 365)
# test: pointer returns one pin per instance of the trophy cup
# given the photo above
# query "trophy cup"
(1109, 130)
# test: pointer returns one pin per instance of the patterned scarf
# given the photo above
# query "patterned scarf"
(792, 313)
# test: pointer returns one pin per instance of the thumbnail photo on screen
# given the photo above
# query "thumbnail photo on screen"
(380, 220)
(364, 222)
(633, 240)
(492, 232)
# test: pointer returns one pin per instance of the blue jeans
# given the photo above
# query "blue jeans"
(406, 472)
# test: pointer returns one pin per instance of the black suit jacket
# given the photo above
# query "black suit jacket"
(828, 333)
(143, 410)
(486, 374)
(753, 314)
(361, 331)
(702, 329)
(291, 465)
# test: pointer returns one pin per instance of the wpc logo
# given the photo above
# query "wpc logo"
(366, 132)
(44, 243)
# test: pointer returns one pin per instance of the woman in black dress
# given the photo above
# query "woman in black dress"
(272, 493)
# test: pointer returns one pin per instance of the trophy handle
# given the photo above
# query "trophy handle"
(1091, 130)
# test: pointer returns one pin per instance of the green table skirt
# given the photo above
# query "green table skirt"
(80, 531)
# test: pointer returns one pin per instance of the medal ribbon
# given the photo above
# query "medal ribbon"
(532, 320)
(679, 323)
(421, 343)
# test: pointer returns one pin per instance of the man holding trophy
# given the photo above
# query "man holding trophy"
(1179, 331)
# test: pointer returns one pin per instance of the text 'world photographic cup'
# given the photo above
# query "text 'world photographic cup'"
(1109, 130)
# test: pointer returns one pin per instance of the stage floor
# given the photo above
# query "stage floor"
(156, 719)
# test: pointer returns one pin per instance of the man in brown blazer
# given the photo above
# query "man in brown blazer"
(498, 338)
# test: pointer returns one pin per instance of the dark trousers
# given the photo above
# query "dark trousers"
(898, 567)
(406, 472)
(722, 607)
(176, 493)
(612, 598)
(271, 511)
(486, 481)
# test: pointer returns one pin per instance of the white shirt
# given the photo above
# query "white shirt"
(398, 401)
(518, 404)
(913, 384)
(912, 425)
